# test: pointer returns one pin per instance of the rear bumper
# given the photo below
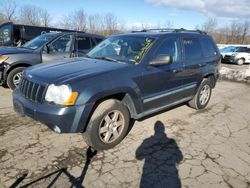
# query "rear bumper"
(71, 119)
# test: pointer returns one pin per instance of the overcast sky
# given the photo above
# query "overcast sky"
(182, 13)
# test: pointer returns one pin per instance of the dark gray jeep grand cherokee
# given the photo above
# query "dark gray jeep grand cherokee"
(127, 76)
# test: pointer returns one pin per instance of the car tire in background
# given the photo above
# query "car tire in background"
(14, 77)
(202, 95)
(241, 61)
(108, 125)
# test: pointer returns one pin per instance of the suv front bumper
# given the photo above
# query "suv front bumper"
(60, 119)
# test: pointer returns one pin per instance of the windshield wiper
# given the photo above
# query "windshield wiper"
(106, 58)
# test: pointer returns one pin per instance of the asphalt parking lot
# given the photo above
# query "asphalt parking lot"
(179, 147)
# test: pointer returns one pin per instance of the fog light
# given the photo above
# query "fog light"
(57, 129)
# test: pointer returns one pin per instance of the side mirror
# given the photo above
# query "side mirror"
(161, 60)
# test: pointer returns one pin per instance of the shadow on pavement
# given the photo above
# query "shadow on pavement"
(74, 181)
(161, 155)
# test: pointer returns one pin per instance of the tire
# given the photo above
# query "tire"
(4, 85)
(108, 125)
(14, 77)
(205, 90)
(241, 61)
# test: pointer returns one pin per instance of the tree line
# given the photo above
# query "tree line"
(107, 24)
(237, 32)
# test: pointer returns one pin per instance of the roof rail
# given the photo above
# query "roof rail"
(171, 30)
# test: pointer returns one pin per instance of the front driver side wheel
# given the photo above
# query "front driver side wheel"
(108, 125)
(14, 77)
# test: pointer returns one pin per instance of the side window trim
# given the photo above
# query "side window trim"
(90, 41)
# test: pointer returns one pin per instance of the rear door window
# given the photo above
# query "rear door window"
(209, 49)
(83, 43)
(192, 48)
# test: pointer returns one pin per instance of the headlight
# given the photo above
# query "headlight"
(62, 95)
(3, 58)
(234, 55)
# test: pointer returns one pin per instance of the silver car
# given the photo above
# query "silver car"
(45, 48)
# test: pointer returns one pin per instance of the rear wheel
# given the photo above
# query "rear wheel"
(240, 61)
(14, 77)
(202, 96)
(108, 125)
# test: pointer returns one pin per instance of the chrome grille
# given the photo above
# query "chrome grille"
(33, 91)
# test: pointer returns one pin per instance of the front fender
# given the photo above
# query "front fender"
(98, 89)
(9, 67)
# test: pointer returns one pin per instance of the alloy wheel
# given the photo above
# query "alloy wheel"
(111, 126)
(204, 94)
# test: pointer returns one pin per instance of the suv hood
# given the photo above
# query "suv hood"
(226, 53)
(14, 50)
(64, 72)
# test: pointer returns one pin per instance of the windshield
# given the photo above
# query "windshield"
(5, 34)
(241, 49)
(130, 49)
(38, 41)
(233, 49)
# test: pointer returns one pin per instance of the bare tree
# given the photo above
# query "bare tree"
(110, 22)
(121, 25)
(235, 33)
(145, 25)
(30, 15)
(210, 25)
(221, 35)
(2, 20)
(238, 32)
(65, 23)
(76, 20)
(79, 20)
(168, 24)
(245, 30)
(33, 15)
(45, 18)
(8, 10)
(95, 24)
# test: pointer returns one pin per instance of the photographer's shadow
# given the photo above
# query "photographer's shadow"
(161, 155)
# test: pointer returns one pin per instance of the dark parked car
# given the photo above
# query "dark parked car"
(126, 76)
(45, 48)
(17, 34)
